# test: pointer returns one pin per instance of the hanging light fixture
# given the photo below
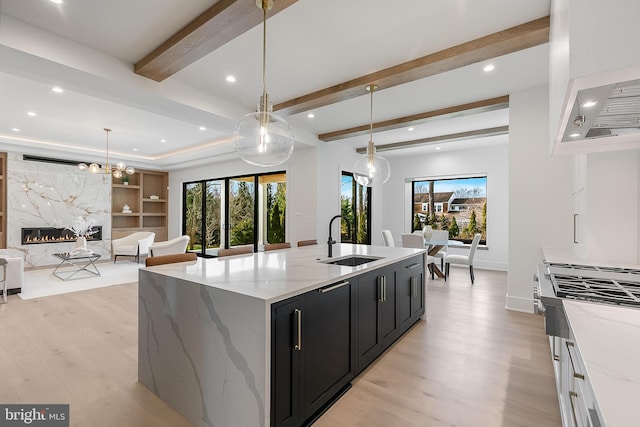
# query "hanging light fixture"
(371, 169)
(117, 171)
(263, 138)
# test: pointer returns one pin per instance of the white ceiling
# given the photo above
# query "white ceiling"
(88, 47)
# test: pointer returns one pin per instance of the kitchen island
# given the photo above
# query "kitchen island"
(205, 341)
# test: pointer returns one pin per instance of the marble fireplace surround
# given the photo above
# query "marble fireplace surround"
(41, 194)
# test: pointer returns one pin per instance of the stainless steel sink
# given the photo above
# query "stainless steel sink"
(351, 260)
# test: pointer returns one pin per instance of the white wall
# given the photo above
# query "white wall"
(539, 194)
(301, 182)
(492, 161)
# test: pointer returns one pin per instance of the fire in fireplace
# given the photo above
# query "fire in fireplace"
(37, 235)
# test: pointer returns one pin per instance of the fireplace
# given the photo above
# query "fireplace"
(38, 235)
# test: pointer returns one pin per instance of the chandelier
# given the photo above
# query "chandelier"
(263, 138)
(117, 170)
(371, 169)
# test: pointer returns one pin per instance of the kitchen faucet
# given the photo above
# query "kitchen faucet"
(330, 241)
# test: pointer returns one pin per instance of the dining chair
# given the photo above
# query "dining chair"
(235, 251)
(170, 259)
(463, 259)
(307, 242)
(388, 238)
(441, 236)
(410, 240)
(274, 246)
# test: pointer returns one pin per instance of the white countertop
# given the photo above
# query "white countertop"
(566, 256)
(276, 275)
(608, 338)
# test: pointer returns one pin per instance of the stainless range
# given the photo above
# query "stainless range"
(599, 284)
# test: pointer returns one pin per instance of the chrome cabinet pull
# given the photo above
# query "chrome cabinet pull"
(412, 266)
(334, 287)
(556, 357)
(573, 367)
(298, 315)
(414, 290)
(575, 228)
(384, 288)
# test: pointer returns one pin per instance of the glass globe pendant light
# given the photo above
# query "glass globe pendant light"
(263, 138)
(371, 169)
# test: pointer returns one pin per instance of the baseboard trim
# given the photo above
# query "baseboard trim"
(524, 305)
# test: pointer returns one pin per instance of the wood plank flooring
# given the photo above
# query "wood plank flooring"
(471, 363)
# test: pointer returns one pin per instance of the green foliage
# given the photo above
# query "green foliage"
(454, 231)
(417, 225)
(193, 215)
(472, 226)
(444, 222)
(242, 233)
(276, 208)
(241, 205)
(483, 220)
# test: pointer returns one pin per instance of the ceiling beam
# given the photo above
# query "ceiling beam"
(477, 107)
(222, 22)
(479, 133)
(511, 40)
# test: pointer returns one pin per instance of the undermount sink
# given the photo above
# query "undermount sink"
(351, 260)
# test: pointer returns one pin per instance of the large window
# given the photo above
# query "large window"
(355, 207)
(234, 211)
(458, 205)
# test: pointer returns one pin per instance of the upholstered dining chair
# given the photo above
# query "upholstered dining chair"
(274, 246)
(463, 259)
(170, 259)
(169, 247)
(235, 251)
(441, 236)
(388, 238)
(410, 240)
(307, 242)
(135, 244)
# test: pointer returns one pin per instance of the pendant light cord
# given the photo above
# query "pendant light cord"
(264, 56)
(371, 89)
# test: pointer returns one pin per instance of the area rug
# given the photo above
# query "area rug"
(42, 282)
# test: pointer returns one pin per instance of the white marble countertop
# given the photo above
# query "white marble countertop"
(276, 275)
(566, 256)
(608, 338)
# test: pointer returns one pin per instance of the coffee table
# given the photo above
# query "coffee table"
(76, 265)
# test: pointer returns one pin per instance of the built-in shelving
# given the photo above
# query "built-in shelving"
(147, 214)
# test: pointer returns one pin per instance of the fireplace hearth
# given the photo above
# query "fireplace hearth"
(39, 235)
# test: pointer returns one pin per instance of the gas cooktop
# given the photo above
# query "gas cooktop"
(603, 284)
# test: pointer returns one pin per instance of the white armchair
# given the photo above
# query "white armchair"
(170, 247)
(134, 245)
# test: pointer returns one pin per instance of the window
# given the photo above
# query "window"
(355, 207)
(234, 211)
(458, 205)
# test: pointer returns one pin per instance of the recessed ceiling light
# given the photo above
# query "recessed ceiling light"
(311, 115)
(574, 135)
(135, 149)
(411, 129)
(56, 1)
(163, 140)
(489, 67)
(15, 129)
(57, 89)
(31, 113)
(437, 148)
(231, 79)
(202, 128)
(589, 103)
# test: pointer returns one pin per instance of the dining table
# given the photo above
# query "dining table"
(434, 246)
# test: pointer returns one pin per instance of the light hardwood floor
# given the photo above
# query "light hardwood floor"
(471, 363)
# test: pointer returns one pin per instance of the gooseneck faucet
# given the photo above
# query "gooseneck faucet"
(330, 241)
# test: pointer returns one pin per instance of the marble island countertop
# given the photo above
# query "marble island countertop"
(276, 275)
(608, 339)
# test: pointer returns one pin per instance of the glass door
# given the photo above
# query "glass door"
(193, 196)
(272, 196)
(213, 207)
(241, 211)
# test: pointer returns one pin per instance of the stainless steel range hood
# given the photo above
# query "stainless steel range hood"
(604, 111)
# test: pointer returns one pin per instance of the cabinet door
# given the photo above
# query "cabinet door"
(410, 282)
(285, 363)
(326, 354)
(388, 329)
(368, 340)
